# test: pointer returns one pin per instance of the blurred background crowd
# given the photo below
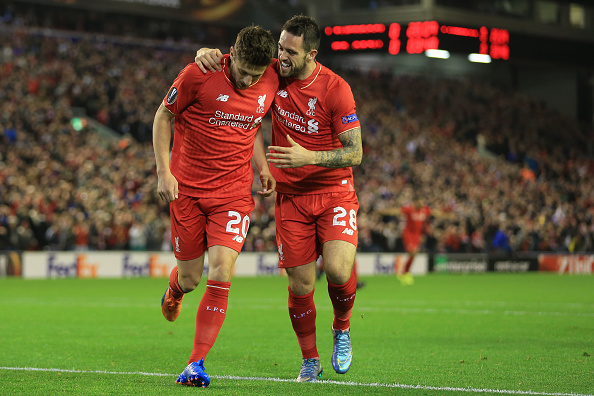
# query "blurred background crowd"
(511, 174)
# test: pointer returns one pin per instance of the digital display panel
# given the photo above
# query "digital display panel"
(417, 37)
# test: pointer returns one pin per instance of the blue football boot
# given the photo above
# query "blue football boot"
(194, 375)
(311, 369)
(342, 353)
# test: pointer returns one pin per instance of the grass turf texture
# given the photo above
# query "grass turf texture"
(515, 332)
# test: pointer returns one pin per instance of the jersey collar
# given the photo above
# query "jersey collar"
(302, 84)
(225, 63)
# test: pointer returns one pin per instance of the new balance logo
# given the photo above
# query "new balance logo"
(282, 93)
(223, 98)
(238, 238)
(348, 231)
(177, 245)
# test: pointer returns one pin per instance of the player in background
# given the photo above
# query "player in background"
(208, 182)
(316, 139)
(417, 218)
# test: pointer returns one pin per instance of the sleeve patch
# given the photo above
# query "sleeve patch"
(172, 96)
(350, 118)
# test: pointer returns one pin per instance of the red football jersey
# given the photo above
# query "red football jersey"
(314, 112)
(215, 129)
(415, 218)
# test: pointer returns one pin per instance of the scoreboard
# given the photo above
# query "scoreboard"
(416, 38)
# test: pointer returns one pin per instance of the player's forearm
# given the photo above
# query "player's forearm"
(259, 155)
(162, 140)
(349, 155)
(339, 158)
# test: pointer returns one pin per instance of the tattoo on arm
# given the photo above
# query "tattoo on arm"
(349, 155)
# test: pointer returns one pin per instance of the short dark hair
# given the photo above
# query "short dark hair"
(302, 25)
(255, 46)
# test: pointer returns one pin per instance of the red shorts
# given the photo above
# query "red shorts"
(305, 222)
(411, 241)
(199, 223)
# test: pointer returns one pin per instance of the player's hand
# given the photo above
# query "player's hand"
(290, 157)
(268, 184)
(209, 59)
(167, 187)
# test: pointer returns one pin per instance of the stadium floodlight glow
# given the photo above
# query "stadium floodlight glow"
(436, 53)
(479, 58)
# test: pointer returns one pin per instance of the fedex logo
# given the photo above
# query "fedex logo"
(79, 268)
(350, 118)
(143, 267)
(151, 268)
(264, 268)
(383, 268)
(129, 268)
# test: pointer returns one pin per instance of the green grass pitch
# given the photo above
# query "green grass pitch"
(525, 334)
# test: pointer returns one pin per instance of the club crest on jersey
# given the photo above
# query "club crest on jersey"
(261, 102)
(312, 107)
(171, 95)
(350, 118)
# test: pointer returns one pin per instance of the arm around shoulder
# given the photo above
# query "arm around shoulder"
(209, 59)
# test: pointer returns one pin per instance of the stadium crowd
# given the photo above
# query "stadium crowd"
(514, 174)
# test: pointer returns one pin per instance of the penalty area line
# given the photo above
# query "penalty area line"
(320, 382)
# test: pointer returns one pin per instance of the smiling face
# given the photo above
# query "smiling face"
(243, 74)
(294, 61)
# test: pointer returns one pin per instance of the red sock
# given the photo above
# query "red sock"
(302, 311)
(408, 264)
(210, 317)
(174, 283)
(343, 300)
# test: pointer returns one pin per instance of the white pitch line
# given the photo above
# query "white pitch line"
(321, 382)
(402, 309)
(476, 311)
(363, 309)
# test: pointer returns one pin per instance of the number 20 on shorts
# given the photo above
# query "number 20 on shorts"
(233, 226)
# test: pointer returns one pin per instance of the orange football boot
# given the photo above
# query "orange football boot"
(171, 306)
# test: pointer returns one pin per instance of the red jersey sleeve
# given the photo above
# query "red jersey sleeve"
(184, 90)
(342, 103)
